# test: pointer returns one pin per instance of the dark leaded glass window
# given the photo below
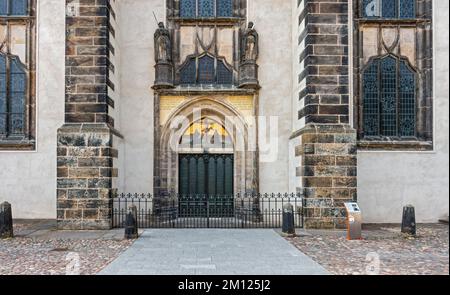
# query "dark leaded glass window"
(206, 8)
(224, 75)
(3, 95)
(224, 8)
(389, 98)
(388, 9)
(13, 7)
(205, 70)
(407, 100)
(188, 74)
(188, 8)
(12, 96)
(371, 110)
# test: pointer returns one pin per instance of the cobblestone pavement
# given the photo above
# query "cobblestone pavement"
(43, 251)
(426, 254)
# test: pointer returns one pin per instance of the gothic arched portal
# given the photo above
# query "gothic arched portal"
(214, 129)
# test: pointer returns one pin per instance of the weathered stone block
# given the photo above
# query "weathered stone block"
(328, 173)
(84, 172)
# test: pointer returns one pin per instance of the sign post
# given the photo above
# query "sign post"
(354, 221)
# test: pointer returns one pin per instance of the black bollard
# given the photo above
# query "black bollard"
(409, 220)
(288, 226)
(6, 221)
(131, 226)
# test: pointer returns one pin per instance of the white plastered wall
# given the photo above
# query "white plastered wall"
(136, 104)
(272, 20)
(28, 179)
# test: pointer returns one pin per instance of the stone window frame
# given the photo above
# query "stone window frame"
(26, 141)
(423, 141)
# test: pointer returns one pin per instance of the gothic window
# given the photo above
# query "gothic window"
(388, 9)
(16, 74)
(393, 74)
(206, 8)
(205, 70)
(389, 98)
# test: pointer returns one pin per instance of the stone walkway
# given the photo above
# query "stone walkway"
(212, 252)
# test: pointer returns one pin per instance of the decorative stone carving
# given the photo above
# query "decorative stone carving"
(250, 49)
(248, 69)
(162, 44)
(163, 58)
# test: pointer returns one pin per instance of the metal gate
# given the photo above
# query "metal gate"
(208, 211)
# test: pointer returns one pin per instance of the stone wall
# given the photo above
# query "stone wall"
(85, 173)
(328, 172)
(85, 142)
(327, 147)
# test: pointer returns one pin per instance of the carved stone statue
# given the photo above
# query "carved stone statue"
(250, 49)
(163, 58)
(248, 69)
(162, 44)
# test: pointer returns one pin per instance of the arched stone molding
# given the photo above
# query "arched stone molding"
(214, 107)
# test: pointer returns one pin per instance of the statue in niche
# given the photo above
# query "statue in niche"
(250, 47)
(162, 44)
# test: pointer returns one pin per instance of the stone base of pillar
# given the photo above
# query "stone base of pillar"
(329, 173)
(85, 177)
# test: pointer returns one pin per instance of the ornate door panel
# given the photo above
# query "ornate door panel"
(206, 185)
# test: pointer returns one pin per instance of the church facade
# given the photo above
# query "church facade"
(335, 100)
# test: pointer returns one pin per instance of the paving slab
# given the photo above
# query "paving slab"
(212, 252)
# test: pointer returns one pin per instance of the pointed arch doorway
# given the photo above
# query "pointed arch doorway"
(206, 153)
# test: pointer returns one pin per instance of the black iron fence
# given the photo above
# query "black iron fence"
(208, 211)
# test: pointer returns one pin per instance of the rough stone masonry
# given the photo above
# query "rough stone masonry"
(328, 167)
(85, 142)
